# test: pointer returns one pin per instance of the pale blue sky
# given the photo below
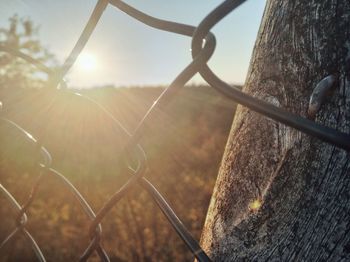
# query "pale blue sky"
(129, 53)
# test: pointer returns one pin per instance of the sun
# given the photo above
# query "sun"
(87, 62)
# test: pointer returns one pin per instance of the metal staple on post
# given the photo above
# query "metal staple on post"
(203, 46)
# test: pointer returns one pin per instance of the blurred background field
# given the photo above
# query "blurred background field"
(184, 147)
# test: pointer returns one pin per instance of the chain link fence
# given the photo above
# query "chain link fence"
(203, 46)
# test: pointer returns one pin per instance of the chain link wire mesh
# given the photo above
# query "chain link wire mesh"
(203, 46)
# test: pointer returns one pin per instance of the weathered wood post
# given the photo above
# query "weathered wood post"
(282, 195)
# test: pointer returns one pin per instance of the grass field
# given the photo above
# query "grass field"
(184, 146)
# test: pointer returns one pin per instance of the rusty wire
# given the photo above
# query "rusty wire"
(203, 46)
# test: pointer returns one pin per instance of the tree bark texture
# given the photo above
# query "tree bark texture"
(303, 184)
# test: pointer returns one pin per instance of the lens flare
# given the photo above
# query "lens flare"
(255, 205)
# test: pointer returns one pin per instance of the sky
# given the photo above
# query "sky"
(125, 52)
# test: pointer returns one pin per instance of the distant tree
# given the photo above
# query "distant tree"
(21, 35)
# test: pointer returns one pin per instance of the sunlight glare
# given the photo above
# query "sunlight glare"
(86, 62)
